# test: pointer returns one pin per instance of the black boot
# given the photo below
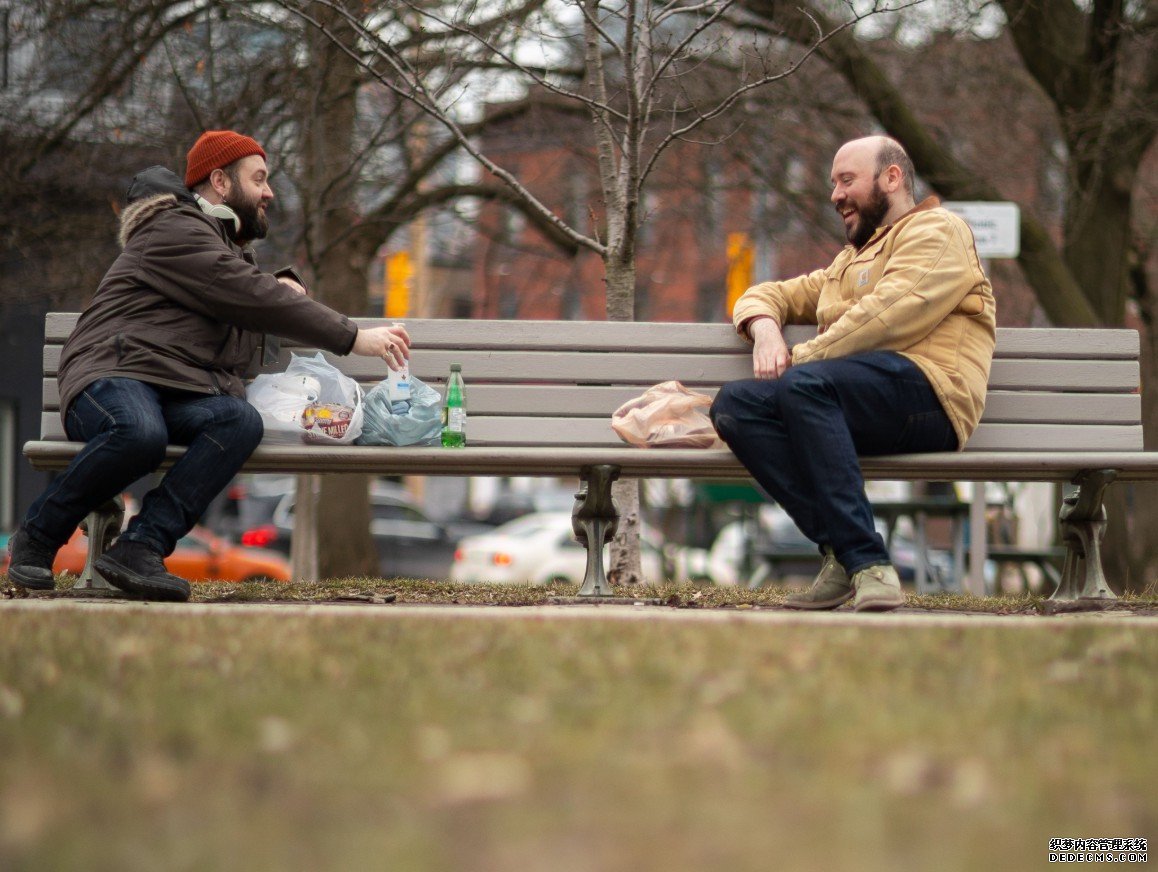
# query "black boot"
(136, 568)
(31, 563)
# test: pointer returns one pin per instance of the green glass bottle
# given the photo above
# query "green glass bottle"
(454, 411)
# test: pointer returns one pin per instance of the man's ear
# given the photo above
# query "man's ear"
(219, 179)
(894, 178)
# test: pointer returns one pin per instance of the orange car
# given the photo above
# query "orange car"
(200, 556)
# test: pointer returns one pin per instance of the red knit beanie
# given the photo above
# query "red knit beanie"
(217, 149)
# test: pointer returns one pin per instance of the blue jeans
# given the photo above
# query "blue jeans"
(127, 424)
(800, 437)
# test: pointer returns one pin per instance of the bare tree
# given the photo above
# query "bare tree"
(629, 64)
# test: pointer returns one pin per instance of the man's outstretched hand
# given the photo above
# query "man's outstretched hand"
(391, 343)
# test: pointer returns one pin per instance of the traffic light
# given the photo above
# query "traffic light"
(399, 274)
(741, 257)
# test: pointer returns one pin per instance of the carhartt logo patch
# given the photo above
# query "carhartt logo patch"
(862, 279)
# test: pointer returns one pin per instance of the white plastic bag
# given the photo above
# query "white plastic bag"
(309, 402)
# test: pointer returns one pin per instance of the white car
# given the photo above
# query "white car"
(539, 548)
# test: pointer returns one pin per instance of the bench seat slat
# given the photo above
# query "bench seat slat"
(643, 463)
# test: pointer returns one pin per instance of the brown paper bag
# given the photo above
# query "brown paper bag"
(667, 415)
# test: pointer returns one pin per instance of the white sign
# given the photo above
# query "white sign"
(996, 226)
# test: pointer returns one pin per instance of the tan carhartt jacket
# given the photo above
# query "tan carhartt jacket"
(917, 288)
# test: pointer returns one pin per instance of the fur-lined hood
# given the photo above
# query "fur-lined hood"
(151, 191)
(136, 214)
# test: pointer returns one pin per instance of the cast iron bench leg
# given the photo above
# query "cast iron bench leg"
(1083, 525)
(595, 520)
(102, 526)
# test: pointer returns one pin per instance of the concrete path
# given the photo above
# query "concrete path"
(774, 616)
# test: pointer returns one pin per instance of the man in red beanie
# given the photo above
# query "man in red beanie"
(160, 357)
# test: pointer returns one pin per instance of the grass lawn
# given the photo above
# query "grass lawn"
(351, 738)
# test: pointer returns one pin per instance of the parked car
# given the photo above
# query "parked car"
(246, 503)
(509, 505)
(199, 556)
(409, 544)
(539, 548)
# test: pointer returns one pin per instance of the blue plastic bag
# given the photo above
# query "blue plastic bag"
(418, 422)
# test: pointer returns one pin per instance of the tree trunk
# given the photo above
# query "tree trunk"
(1128, 552)
(1097, 243)
(1098, 239)
(625, 563)
(1130, 562)
(340, 272)
(345, 546)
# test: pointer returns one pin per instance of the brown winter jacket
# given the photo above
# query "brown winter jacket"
(184, 307)
(916, 287)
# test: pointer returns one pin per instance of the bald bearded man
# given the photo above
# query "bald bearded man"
(906, 328)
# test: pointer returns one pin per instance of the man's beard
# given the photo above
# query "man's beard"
(254, 224)
(869, 217)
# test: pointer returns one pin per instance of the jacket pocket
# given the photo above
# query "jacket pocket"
(972, 305)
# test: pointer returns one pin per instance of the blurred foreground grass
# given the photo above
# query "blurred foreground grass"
(369, 738)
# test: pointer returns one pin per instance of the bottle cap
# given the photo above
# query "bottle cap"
(456, 367)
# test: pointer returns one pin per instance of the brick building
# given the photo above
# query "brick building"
(695, 205)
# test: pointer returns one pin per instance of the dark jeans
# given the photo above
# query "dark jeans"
(126, 425)
(800, 436)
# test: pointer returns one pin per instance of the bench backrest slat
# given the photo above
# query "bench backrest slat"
(636, 368)
(556, 383)
(694, 370)
(1002, 407)
(1053, 343)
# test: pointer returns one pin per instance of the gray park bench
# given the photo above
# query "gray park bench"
(1064, 406)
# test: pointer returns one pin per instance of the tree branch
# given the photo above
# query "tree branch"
(119, 63)
(1049, 35)
(414, 90)
(1056, 289)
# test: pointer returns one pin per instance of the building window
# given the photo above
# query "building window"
(514, 222)
(572, 306)
(578, 208)
(508, 302)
